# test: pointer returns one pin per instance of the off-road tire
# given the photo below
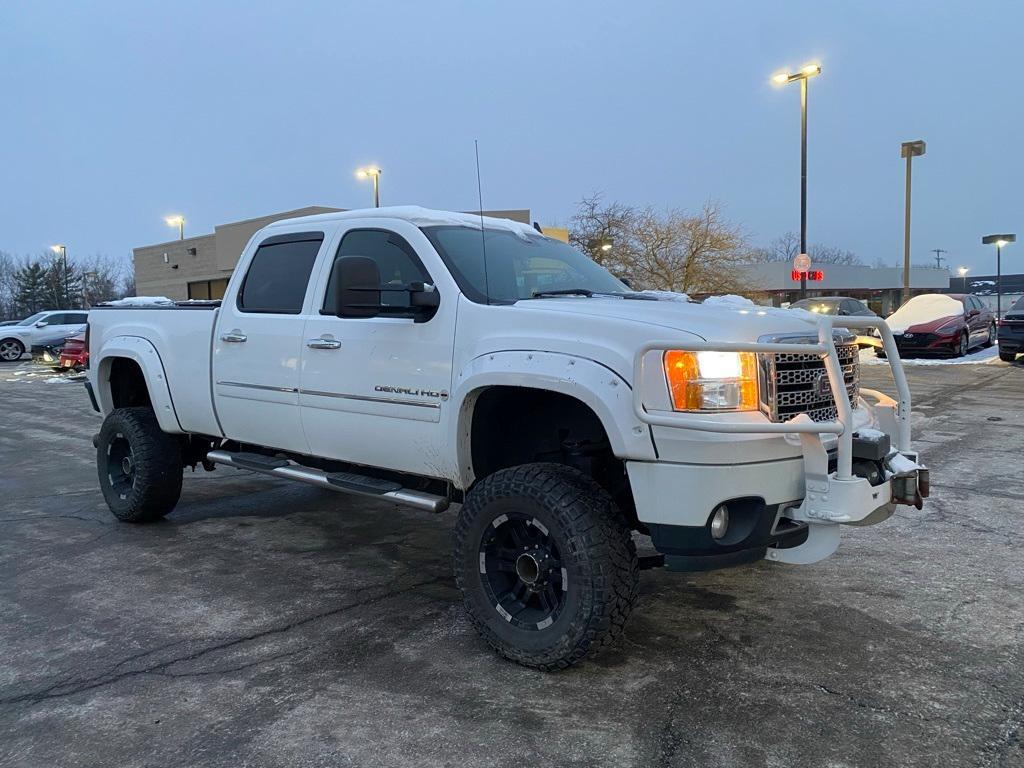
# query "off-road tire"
(1007, 357)
(595, 548)
(148, 487)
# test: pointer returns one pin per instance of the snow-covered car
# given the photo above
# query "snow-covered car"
(942, 324)
(425, 358)
(38, 330)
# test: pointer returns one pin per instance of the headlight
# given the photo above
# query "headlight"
(712, 381)
(949, 327)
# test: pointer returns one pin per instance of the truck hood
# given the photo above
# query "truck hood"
(719, 319)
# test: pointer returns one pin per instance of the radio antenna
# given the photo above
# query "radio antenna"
(483, 234)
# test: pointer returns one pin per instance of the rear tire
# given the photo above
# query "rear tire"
(11, 350)
(546, 565)
(139, 466)
(991, 338)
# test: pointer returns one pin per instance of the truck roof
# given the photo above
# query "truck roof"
(418, 216)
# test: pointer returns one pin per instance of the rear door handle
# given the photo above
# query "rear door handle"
(323, 344)
(235, 336)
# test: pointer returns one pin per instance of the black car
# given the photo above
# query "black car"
(1011, 332)
(834, 305)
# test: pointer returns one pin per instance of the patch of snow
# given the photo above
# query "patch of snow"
(55, 380)
(874, 435)
(899, 464)
(668, 296)
(923, 309)
(746, 307)
(426, 217)
(983, 282)
(981, 357)
(140, 301)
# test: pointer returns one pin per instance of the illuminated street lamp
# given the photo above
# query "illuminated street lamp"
(909, 150)
(600, 244)
(804, 74)
(999, 241)
(372, 173)
(963, 279)
(63, 251)
(177, 221)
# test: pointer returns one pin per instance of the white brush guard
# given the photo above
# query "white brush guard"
(830, 498)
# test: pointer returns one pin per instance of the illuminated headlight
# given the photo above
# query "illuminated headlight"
(712, 381)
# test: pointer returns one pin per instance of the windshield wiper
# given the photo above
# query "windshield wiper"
(564, 292)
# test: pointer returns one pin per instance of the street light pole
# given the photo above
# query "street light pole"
(963, 279)
(909, 150)
(805, 74)
(999, 241)
(372, 173)
(63, 251)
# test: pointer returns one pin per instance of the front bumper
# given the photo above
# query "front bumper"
(1011, 339)
(926, 343)
(810, 494)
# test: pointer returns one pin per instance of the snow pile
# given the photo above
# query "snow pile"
(979, 357)
(140, 301)
(668, 296)
(923, 309)
(747, 307)
(900, 464)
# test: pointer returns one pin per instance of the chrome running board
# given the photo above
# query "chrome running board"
(345, 482)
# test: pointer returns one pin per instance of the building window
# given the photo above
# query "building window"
(208, 289)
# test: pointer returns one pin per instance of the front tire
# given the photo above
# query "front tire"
(139, 466)
(962, 346)
(546, 565)
(1007, 357)
(11, 350)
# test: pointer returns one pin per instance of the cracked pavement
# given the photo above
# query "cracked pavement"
(272, 624)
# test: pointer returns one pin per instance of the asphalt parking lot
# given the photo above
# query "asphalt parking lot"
(266, 623)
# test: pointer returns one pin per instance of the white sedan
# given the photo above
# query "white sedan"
(17, 339)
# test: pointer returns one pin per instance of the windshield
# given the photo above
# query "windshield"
(32, 319)
(1018, 304)
(518, 266)
(816, 305)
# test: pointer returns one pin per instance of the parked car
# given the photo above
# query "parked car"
(47, 351)
(839, 306)
(9, 322)
(834, 305)
(423, 357)
(39, 329)
(1011, 332)
(75, 354)
(942, 324)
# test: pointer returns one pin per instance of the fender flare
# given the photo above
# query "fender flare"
(145, 355)
(600, 388)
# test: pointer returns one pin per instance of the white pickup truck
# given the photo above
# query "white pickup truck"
(426, 357)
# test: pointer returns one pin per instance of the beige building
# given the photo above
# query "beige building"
(199, 267)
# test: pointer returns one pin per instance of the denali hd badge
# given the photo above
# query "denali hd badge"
(412, 392)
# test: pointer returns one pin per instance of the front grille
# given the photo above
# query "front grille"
(798, 383)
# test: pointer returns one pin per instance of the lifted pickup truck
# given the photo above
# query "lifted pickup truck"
(426, 357)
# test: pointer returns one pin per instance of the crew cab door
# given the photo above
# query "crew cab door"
(373, 389)
(257, 345)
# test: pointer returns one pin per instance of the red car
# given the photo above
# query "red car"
(941, 323)
(74, 354)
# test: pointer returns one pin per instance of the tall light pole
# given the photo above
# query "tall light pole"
(63, 251)
(85, 288)
(1000, 241)
(372, 173)
(782, 78)
(963, 279)
(909, 150)
(177, 221)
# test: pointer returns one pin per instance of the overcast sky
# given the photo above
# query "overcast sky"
(117, 114)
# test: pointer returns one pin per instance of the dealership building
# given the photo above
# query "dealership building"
(881, 288)
(199, 267)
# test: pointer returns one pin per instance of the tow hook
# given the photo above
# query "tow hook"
(911, 487)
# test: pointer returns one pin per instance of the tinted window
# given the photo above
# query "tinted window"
(76, 318)
(57, 318)
(396, 260)
(279, 273)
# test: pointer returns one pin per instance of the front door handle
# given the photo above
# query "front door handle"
(323, 344)
(234, 335)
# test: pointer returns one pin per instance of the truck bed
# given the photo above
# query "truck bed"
(182, 334)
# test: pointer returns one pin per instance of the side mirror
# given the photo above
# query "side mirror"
(974, 313)
(842, 312)
(423, 295)
(42, 324)
(357, 290)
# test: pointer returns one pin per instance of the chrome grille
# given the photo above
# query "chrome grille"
(798, 383)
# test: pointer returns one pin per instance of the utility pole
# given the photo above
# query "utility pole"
(909, 150)
(938, 256)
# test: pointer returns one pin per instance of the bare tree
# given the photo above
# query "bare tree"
(787, 246)
(8, 269)
(668, 250)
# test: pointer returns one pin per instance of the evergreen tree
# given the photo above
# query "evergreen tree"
(31, 293)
